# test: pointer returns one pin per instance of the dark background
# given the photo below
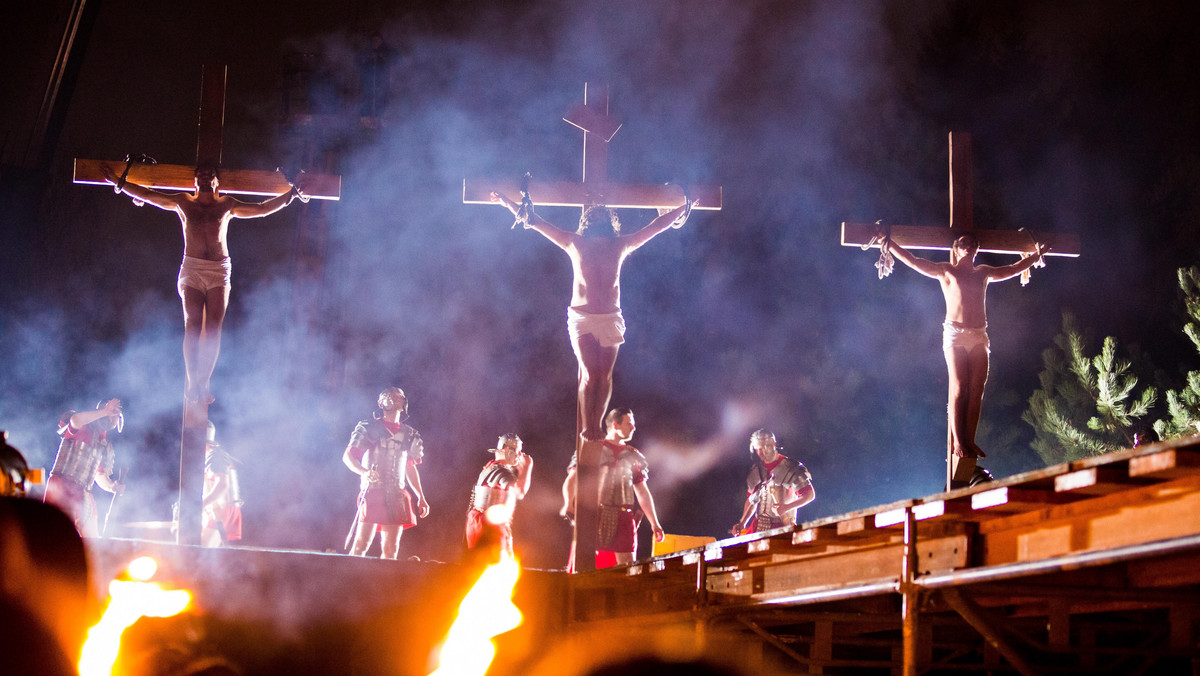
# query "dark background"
(1084, 119)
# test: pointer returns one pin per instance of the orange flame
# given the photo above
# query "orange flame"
(129, 601)
(485, 612)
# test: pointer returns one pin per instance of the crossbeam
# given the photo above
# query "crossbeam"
(567, 194)
(233, 181)
(939, 238)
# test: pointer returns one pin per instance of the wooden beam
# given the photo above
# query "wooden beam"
(939, 238)
(233, 181)
(987, 628)
(211, 120)
(617, 196)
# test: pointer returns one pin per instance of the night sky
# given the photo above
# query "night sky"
(1084, 118)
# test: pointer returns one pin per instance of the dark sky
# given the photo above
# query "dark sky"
(1084, 118)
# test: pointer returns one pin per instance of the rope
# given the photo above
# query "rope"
(886, 263)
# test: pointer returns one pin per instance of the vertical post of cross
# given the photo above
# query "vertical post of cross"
(193, 436)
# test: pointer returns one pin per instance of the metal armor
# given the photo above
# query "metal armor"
(617, 475)
(389, 454)
(220, 462)
(483, 497)
(788, 478)
(494, 487)
(78, 461)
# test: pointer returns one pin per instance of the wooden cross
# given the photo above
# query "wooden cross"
(940, 238)
(599, 126)
(193, 436)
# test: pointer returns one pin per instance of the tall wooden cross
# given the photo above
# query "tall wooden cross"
(193, 436)
(940, 238)
(599, 126)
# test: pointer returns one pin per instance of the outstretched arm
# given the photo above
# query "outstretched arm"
(561, 238)
(657, 226)
(140, 193)
(259, 209)
(921, 265)
(1003, 272)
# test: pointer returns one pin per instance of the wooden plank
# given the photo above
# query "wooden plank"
(1168, 464)
(859, 526)
(1008, 499)
(233, 181)
(814, 536)
(615, 195)
(939, 238)
(1134, 516)
(948, 509)
(865, 565)
(1092, 481)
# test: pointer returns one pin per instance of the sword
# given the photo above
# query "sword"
(353, 527)
(120, 479)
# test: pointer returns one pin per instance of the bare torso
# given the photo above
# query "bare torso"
(965, 289)
(596, 264)
(205, 219)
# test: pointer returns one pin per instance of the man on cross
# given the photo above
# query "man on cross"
(204, 276)
(597, 249)
(964, 334)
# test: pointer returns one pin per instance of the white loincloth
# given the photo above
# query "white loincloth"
(608, 328)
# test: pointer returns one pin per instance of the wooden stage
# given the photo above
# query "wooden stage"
(1092, 567)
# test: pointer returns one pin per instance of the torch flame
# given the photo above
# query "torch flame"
(129, 601)
(486, 611)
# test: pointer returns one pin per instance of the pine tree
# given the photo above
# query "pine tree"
(1183, 405)
(1083, 407)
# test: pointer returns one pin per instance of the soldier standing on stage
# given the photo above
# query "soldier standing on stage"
(775, 488)
(385, 452)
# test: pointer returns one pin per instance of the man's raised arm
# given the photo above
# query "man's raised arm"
(140, 193)
(259, 209)
(673, 218)
(1003, 272)
(561, 238)
(921, 265)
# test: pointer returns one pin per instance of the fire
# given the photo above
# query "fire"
(129, 601)
(485, 612)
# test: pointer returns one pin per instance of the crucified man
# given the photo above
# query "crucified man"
(597, 250)
(964, 332)
(204, 276)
